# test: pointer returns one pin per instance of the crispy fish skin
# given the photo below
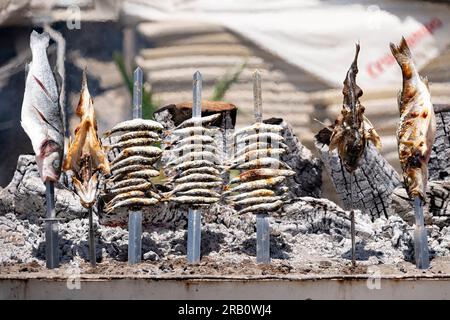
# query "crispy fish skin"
(128, 182)
(133, 202)
(194, 199)
(131, 168)
(133, 143)
(258, 154)
(142, 186)
(199, 192)
(352, 130)
(125, 195)
(133, 160)
(195, 185)
(195, 164)
(254, 174)
(256, 200)
(145, 174)
(262, 207)
(193, 148)
(260, 163)
(204, 170)
(191, 156)
(256, 184)
(135, 125)
(195, 139)
(198, 177)
(200, 121)
(417, 126)
(41, 115)
(259, 127)
(251, 194)
(259, 145)
(148, 151)
(262, 137)
(192, 131)
(138, 134)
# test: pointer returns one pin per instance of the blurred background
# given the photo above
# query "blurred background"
(303, 49)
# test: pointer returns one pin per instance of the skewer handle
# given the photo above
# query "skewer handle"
(262, 238)
(135, 217)
(194, 216)
(51, 228)
(421, 252)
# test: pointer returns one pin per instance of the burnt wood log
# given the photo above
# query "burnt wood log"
(374, 182)
(307, 182)
(439, 164)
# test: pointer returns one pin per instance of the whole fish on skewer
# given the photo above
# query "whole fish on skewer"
(352, 130)
(417, 126)
(135, 125)
(85, 155)
(41, 116)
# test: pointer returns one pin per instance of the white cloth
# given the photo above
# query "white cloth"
(320, 36)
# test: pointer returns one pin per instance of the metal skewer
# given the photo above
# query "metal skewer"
(352, 221)
(92, 254)
(421, 252)
(135, 217)
(51, 228)
(195, 216)
(262, 219)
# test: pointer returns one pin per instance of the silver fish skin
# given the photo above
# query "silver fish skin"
(195, 164)
(138, 134)
(252, 194)
(262, 137)
(192, 131)
(195, 139)
(133, 202)
(256, 200)
(198, 177)
(193, 148)
(143, 186)
(148, 151)
(199, 192)
(258, 154)
(200, 121)
(145, 174)
(191, 156)
(261, 173)
(133, 143)
(41, 115)
(133, 160)
(126, 195)
(195, 185)
(128, 182)
(204, 170)
(194, 199)
(256, 184)
(259, 127)
(135, 125)
(258, 146)
(259, 163)
(263, 207)
(132, 168)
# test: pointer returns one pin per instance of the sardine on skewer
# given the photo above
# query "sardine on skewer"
(257, 200)
(192, 156)
(201, 121)
(133, 143)
(192, 131)
(259, 127)
(138, 134)
(252, 194)
(195, 164)
(258, 146)
(130, 202)
(254, 174)
(417, 126)
(203, 170)
(262, 137)
(263, 207)
(148, 151)
(41, 115)
(134, 160)
(135, 125)
(352, 130)
(256, 184)
(194, 139)
(257, 154)
(198, 177)
(260, 163)
(201, 192)
(194, 200)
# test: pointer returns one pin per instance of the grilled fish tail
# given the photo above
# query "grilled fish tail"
(404, 58)
(39, 39)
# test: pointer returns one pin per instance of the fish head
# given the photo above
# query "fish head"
(49, 161)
